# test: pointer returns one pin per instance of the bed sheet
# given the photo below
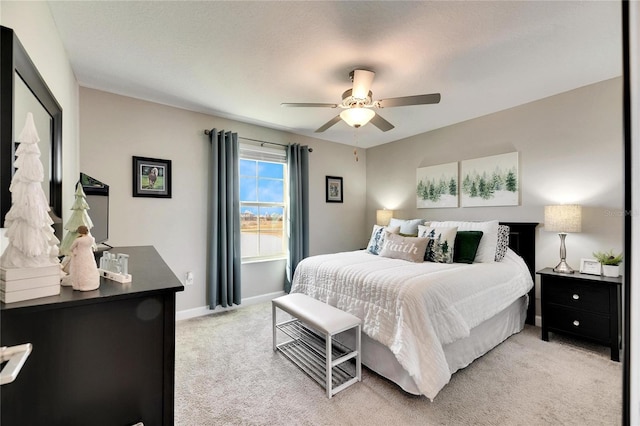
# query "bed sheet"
(414, 308)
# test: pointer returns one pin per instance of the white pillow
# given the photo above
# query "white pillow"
(407, 227)
(489, 241)
(376, 242)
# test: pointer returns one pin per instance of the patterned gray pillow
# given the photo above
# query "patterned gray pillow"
(377, 237)
(503, 242)
(441, 245)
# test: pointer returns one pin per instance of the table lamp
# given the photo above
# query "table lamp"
(563, 219)
(383, 217)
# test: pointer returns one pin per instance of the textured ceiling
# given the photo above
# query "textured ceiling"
(240, 60)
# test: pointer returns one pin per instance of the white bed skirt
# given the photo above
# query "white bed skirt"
(459, 354)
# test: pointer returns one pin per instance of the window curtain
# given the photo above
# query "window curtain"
(298, 166)
(224, 257)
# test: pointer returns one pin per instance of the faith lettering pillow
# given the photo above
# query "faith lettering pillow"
(406, 248)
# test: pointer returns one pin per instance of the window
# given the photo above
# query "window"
(263, 207)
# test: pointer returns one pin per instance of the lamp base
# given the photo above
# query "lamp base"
(563, 268)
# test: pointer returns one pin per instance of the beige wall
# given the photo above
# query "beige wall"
(34, 26)
(114, 128)
(570, 151)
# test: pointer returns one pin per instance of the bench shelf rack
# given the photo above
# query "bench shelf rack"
(306, 349)
(311, 327)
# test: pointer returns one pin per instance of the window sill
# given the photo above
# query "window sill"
(263, 259)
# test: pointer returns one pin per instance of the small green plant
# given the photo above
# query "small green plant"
(608, 258)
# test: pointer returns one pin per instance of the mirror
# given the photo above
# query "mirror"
(23, 90)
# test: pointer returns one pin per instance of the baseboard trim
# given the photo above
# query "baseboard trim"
(204, 310)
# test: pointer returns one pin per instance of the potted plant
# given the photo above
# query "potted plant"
(610, 262)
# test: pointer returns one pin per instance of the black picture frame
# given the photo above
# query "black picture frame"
(334, 189)
(144, 183)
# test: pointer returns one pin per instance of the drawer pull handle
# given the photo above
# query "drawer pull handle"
(576, 296)
(576, 323)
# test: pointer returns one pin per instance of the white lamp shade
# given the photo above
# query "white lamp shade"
(356, 117)
(563, 218)
(383, 217)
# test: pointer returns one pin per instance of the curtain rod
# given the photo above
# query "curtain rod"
(207, 132)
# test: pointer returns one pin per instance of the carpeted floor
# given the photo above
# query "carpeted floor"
(228, 374)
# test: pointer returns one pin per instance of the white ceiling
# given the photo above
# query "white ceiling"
(240, 59)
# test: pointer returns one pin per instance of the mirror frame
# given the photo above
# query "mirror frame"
(14, 59)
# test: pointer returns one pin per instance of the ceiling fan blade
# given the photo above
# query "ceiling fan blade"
(381, 123)
(432, 98)
(328, 124)
(362, 80)
(312, 105)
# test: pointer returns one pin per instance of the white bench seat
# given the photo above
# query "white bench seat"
(306, 348)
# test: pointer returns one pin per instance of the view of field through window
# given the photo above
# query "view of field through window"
(262, 208)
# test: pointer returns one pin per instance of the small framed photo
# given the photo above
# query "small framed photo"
(151, 177)
(334, 189)
(590, 266)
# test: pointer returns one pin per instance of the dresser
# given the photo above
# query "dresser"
(102, 357)
(581, 305)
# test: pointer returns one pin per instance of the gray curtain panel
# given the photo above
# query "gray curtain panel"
(298, 165)
(224, 257)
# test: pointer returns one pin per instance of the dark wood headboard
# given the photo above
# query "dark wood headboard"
(522, 240)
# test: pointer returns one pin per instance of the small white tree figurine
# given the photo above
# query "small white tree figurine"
(79, 217)
(32, 242)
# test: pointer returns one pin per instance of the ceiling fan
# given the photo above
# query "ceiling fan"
(358, 104)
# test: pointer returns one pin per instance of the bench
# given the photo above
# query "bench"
(312, 347)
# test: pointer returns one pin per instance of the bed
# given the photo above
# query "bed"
(424, 321)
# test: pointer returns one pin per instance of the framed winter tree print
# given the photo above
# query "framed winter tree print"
(490, 181)
(437, 186)
(151, 177)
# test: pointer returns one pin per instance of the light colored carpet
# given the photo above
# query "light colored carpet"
(228, 374)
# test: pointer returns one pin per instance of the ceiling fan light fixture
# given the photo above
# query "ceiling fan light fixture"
(357, 117)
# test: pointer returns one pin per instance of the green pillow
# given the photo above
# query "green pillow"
(466, 246)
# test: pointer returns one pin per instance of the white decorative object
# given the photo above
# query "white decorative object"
(83, 272)
(590, 266)
(32, 242)
(115, 267)
(611, 271)
(18, 284)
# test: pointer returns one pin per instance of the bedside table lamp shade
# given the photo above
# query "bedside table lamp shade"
(383, 217)
(563, 219)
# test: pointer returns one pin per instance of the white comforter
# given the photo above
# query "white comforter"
(414, 308)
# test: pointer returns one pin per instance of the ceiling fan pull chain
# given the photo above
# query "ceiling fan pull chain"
(355, 143)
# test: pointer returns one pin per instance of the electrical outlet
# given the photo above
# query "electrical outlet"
(188, 279)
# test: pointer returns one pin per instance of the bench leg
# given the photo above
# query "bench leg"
(359, 357)
(329, 348)
(273, 318)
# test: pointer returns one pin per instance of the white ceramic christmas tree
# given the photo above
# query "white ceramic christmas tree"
(79, 217)
(32, 242)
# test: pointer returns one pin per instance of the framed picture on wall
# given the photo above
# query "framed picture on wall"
(334, 189)
(490, 181)
(151, 177)
(437, 186)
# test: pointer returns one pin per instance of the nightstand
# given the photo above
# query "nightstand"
(581, 305)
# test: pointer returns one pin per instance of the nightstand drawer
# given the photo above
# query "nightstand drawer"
(594, 298)
(582, 323)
